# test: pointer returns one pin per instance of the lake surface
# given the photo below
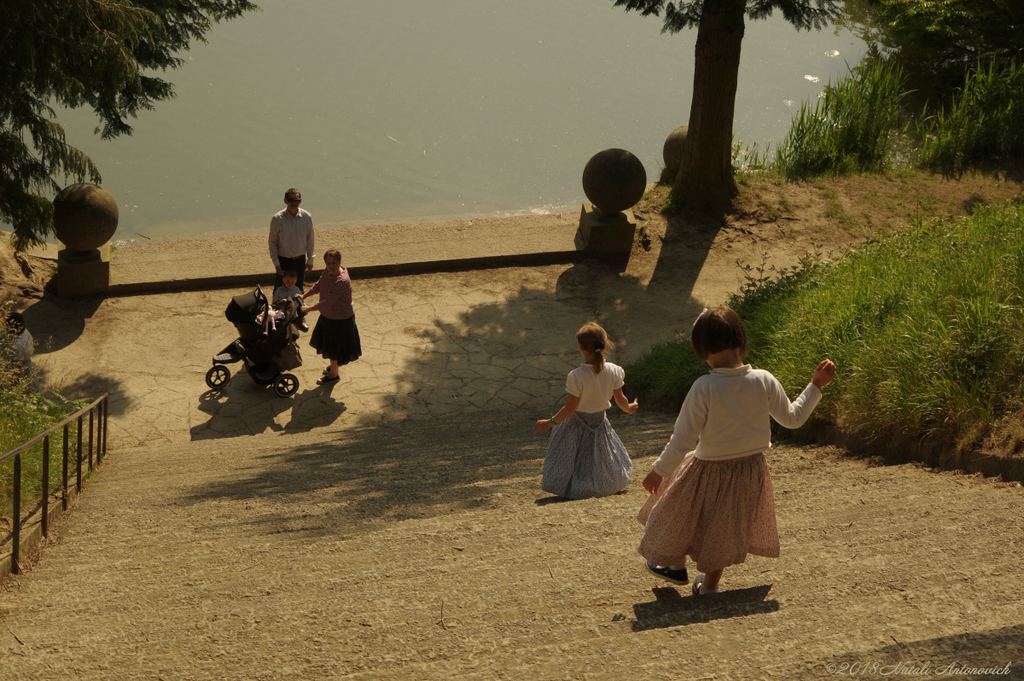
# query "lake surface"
(401, 110)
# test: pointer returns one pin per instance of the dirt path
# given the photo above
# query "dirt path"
(370, 556)
(392, 527)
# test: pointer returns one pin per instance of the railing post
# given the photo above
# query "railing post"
(64, 501)
(46, 485)
(16, 533)
(103, 427)
(78, 484)
(91, 412)
(97, 445)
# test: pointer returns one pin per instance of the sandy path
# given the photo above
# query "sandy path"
(370, 556)
(392, 527)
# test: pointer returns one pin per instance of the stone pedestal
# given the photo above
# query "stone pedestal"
(606, 234)
(83, 273)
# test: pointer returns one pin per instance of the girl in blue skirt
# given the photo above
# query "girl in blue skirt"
(585, 457)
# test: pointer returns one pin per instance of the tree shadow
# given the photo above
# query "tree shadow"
(671, 609)
(455, 429)
(972, 203)
(364, 477)
(684, 250)
(57, 322)
(89, 386)
(623, 301)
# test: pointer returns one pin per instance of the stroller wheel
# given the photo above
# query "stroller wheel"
(217, 376)
(286, 385)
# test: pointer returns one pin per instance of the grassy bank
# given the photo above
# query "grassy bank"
(925, 326)
(860, 124)
(23, 415)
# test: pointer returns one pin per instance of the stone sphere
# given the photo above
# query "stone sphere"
(672, 152)
(84, 216)
(614, 180)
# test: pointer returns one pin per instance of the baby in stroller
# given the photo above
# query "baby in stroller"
(265, 344)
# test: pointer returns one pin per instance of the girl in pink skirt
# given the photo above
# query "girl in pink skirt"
(711, 495)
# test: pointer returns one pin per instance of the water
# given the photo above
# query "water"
(401, 110)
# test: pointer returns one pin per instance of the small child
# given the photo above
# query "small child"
(711, 495)
(288, 288)
(22, 347)
(585, 456)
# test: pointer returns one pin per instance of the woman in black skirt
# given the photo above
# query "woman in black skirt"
(335, 336)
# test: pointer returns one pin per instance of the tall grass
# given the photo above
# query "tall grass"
(984, 121)
(23, 415)
(926, 328)
(850, 128)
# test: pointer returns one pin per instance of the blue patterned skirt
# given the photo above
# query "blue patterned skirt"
(585, 458)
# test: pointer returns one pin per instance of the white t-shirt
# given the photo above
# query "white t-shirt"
(594, 389)
(726, 415)
(23, 348)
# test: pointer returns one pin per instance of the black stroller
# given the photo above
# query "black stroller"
(266, 343)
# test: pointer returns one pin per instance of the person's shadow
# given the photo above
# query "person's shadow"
(671, 609)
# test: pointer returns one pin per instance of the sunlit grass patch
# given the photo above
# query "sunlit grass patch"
(23, 415)
(925, 325)
(851, 127)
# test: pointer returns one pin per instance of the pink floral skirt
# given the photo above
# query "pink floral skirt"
(715, 512)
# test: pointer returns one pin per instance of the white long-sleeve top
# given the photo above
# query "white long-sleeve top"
(727, 414)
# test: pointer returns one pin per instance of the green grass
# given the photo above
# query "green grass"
(851, 128)
(22, 420)
(984, 122)
(856, 125)
(23, 415)
(926, 328)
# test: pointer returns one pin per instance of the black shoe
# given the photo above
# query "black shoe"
(669, 575)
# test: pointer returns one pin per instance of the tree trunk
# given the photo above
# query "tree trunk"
(705, 182)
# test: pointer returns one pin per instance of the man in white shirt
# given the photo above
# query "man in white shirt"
(291, 239)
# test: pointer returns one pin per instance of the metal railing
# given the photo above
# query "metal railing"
(97, 446)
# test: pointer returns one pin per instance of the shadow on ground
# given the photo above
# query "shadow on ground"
(244, 408)
(672, 609)
(512, 353)
(994, 654)
(57, 322)
(89, 386)
(457, 428)
(364, 478)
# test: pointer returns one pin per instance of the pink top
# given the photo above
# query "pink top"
(335, 295)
